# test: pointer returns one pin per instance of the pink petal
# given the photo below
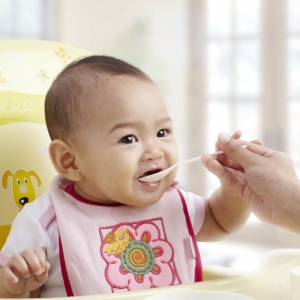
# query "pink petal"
(166, 276)
(167, 254)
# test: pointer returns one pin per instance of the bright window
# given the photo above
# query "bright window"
(233, 48)
(30, 19)
(293, 80)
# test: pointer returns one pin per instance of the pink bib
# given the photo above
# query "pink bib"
(110, 248)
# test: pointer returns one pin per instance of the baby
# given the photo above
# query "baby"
(99, 227)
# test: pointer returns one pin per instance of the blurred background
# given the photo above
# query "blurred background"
(222, 65)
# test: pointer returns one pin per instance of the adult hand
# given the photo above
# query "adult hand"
(270, 184)
(226, 211)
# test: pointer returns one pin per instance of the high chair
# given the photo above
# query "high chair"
(27, 69)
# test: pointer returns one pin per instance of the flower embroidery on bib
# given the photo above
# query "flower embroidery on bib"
(138, 255)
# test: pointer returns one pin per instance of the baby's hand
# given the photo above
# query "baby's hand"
(25, 272)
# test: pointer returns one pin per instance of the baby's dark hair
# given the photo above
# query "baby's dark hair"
(72, 91)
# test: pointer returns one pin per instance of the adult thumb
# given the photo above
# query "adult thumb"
(234, 149)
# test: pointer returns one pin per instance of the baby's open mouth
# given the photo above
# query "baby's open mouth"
(150, 173)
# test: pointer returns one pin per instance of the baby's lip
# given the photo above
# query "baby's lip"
(150, 171)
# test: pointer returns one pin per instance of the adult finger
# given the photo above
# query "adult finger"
(258, 142)
(227, 162)
(234, 150)
(261, 150)
(235, 135)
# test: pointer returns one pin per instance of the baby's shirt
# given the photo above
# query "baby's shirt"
(114, 235)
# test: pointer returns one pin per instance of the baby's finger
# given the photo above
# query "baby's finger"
(33, 260)
(9, 275)
(36, 281)
(41, 255)
(17, 263)
(42, 278)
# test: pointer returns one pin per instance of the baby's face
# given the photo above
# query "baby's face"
(130, 134)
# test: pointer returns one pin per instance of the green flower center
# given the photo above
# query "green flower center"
(138, 258)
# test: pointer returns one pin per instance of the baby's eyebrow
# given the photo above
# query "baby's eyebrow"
(139, 123)
(163, 120)
(125, 124)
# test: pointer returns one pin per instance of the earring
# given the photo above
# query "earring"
(78, 174)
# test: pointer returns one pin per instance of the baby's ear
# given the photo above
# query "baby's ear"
(63, 159)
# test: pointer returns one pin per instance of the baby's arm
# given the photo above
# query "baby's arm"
(24, 274)
(225, 213)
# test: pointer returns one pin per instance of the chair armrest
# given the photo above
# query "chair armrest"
(211, 272)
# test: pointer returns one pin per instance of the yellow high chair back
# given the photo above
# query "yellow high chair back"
(27, 69)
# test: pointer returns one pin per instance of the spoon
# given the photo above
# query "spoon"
(160, 175)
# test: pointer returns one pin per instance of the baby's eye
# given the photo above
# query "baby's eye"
(128, 139)
(162, 133)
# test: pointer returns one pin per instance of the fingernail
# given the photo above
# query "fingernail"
(15, 280)
(38, 272)
(224, 138)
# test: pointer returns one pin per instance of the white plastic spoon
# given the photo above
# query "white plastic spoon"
(160, 175)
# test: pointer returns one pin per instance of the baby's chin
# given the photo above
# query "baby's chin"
(144, 201)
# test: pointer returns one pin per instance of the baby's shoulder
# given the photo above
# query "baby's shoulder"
(40, 207)
(189, 196)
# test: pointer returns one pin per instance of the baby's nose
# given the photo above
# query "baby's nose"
(153, 152)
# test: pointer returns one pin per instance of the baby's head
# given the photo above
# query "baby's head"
(77, 88)
(109, 125)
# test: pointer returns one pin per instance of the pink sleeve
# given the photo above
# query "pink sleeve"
(200, 213)
(3, 259)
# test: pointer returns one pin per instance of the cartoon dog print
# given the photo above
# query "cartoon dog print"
(23, 190)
